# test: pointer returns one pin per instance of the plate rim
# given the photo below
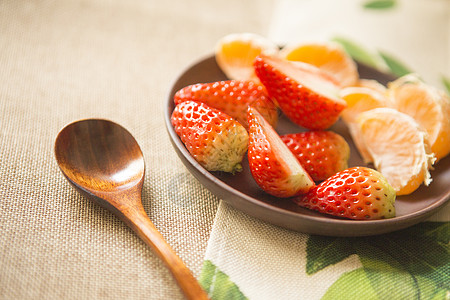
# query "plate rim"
(202, 174)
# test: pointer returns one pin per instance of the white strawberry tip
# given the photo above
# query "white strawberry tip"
(309, 76)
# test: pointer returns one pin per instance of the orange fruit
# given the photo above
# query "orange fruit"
(360, 99)
(328, 56)
(236, 52)
(398, 146)
(428, 106)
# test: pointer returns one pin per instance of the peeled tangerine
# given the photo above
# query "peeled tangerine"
(360, 99)
(327, 56)
(236, 52)
(428, 106)
(399, 147)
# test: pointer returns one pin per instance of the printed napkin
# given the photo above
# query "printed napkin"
(250, 259)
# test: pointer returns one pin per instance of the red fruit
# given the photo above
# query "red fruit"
(305, 94)
(216, 140)
(274, 168)
(357, 193)
(321, 153)
(232, 97)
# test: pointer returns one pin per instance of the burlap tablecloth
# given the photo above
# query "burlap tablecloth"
(71, 59)
(65, 60)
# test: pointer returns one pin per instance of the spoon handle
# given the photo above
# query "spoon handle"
(138, 220)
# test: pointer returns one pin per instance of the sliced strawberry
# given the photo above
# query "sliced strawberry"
(274, 168)
(305, 94)
(232, 97)
(321, 153)
(216, 140)
(357, 193)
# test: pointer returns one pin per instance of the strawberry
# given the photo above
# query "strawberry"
(274, 168)
(357, 193)
(305, 94)
(216, 140)
(232, 97)
(321, 153)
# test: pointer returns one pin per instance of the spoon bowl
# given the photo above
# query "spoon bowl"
(99, 156)
(103, 161)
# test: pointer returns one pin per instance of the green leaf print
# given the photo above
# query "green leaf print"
(217, 284)
(439, 295)
(419, 253)
(351, 285)
(322, 252)
(409, 264)
(380, 4)
(379, 60)
(358, 52)
(440, 232)
(383, 270)
(446, 83)
(395, 66)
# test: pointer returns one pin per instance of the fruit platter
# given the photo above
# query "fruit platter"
(340, 160)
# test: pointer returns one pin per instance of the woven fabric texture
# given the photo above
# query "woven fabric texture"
(61, 61)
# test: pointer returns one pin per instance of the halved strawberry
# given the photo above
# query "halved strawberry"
(321, 153)
(357, 193)
(274, 168)
(216, 140)
(305, 94)
(232, 97)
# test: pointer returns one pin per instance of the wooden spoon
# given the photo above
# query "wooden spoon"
(104, 162)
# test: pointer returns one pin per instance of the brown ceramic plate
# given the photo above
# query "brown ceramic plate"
(241, 191)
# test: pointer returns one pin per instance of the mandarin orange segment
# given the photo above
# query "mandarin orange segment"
(360, 99)
(236, 52)
(328, 56)
(428, 106)
(399, 147)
